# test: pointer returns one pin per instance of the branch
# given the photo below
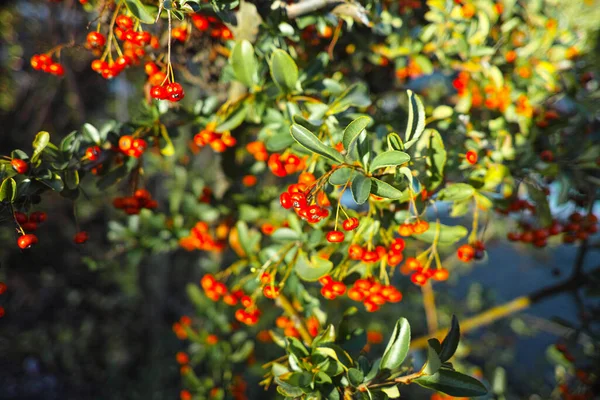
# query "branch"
(308, 6)
(512, 307)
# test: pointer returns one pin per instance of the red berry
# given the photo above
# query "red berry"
(350, 224)
(96, 39)
(174, 91)
(465, 253)
(286, 200)
(20, 217)
(124, 22)
(271, 292)
(125, 143)
(81, 237)
(547, 156)
(3, 287)
(397, 246)
(420, 227)
(93, 153)
(471, 157)
(26, 241)
(38, 216)
(441, 274)
(158, 92)
(355, 252)
(20, 166)
(56, 69)
(418, 278)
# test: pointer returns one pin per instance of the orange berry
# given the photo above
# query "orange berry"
(405, 229)
(471, 157)
(213, 339)
(182, 358)
(465, 253)
(420, 227)
(249, 180)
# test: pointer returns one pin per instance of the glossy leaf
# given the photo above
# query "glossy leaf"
(416, 120)
(448, 235)
(8, 190)
(433, 363)
(355, 377)
(361, 188)
(397, 347)
(392, 158)
(140, 11)
(309, 141)
(285, 235)
(450, 342)
(39, 144)
(284, 71)
(341, 176)
(244, 62)
(353, 130)
(452, 383)
(385, 190)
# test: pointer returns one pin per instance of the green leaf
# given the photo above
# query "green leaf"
(54, 182)
(295, 347)
(243, 352)
(542, 208)
(361, 188)
(285, 235)
(442, 112)
(90, 132)
(413, 133)
(392, 158)
(284, 71)
(327, 335)
(383, 189)
(355, 377)
(139, 10)
(322, 378)
(354, 129)
(391, 391)
(456, 192)
(39, 144)
(8, 190)
(394, 141)
(433, 361)
(341, 176)
(436, 159)
(452, 383)
(355, 96)
(448, 235)
(313, 269)
(234, 119)
(72, 179)
(450, 342)
(308, 140)
(397, 347)
(244, 62)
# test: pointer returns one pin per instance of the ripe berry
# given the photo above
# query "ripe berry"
(125, 143)
(350, 224)
(547, 156)
(158, 92)
(418, 278)
(471, 157)
(20, 217)
(355, 252)
(420, 227)
(124, 22)
(26, 241)
(370, 306)
(96, 39)
(441, 274)
(286, 200)
(271, 292)
(465, 253)
(38, 216)
(405, 229)
(29, 226)
(93, 153)
(20, 166)
(397, 246)
(81, 237)
(56, 69)
(174, 91)
(3, 287)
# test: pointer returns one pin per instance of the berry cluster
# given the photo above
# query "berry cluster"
(44, 63)
(200, 238)
(289, 329)
(132, 147)
(26, 241)
(373, 294)
(258, 150)
(134, 43)
(416, 228)
(132, 205)
(219, 142)
(393, 254)
(217, 28)
(332, 288)
(180, 327)
(216, 290)
(30, 223)
(283, 165)
(420, 275)
(335, 236)
(302, 204)
(93, 153)
(578, 227)
(172, 91)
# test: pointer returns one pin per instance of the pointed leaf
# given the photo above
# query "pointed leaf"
(313, 269)
(39, 144)
(139, 10)
(397, 347)
(341, 176)
(416, 123)
(450, 342)
(8, 190)
(383, 189)
(433, 361)
(452, 383)
(456, 192)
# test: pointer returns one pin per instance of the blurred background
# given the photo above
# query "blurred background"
(95, 321)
